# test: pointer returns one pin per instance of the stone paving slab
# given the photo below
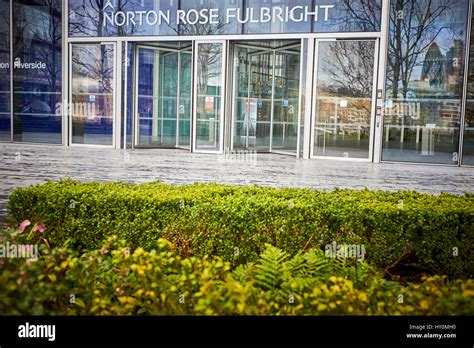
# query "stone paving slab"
(23, 165)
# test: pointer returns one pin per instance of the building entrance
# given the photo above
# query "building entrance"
(163, 82)
(266, 96)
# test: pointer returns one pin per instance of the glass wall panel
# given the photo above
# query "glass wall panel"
(344, 92)
(94, 18)
(92, 93)
(209, 88)
(295, 19)
(468, 149)
(37, 71)
(5, 95)
(348, 16)
(425, 71)
(208, 17)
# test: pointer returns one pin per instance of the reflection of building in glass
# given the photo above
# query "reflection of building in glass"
(434, 67)
(443, 71)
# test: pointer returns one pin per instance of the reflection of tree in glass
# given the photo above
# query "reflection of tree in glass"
(95, 66)
(414, 28)
(45, 31)
(37, 38)
(349, 66)
(357, 15)
(87, 18)
(203, 29)
(209, 57)
(92, 69)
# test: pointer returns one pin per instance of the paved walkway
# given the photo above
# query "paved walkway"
(23, 165)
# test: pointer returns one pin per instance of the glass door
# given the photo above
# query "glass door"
(266, 98)
(92, 94)
(286, 98)
(253, 99)
(163, 97)
(345, 99)
(209, 83)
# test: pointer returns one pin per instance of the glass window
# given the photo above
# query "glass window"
(5, 112)
(37, 71)
(425, 72)
(92, 88)
(468, 149)
(344, 92)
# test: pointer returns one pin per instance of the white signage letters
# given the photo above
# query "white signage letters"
(282, 13)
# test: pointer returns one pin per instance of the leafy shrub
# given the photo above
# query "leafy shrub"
(114, 280)
(433, 233)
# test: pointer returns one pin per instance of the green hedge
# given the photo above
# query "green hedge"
(236, 222)
(113, 280)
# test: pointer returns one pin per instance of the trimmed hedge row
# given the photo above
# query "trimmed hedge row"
(434, 233)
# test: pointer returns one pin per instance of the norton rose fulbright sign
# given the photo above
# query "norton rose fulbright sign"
(283, 14)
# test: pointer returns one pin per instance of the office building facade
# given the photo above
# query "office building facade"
(365, 80)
